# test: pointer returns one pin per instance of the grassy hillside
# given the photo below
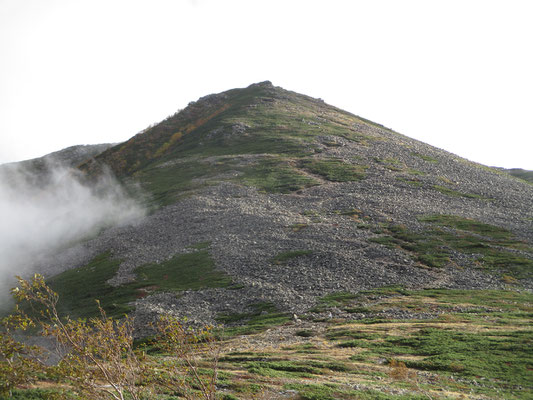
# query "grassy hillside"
(522, 174)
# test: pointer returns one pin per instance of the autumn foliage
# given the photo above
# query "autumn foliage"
(98, 357)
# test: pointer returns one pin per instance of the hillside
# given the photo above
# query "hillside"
(522, 174)
(295, 199)
(268, 206)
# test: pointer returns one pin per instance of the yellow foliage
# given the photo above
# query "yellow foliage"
(173, 139)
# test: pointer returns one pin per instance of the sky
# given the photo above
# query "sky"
(454, 74)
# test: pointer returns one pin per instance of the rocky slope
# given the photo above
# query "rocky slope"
(295, 199)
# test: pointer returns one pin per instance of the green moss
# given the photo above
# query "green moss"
(412, 182)
(433, 247)
(262, 317)
(40, 394)
(288, 255)
(467, 224)
(184, 271)
(454, 193)
(275, 176)
(425, 158)
(334, 170)
(78, 288)
(298, 227)
(336, 299)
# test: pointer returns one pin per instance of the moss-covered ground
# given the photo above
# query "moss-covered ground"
(491, 248)
(449, 344)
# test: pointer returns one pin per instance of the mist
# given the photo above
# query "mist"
(48, 210)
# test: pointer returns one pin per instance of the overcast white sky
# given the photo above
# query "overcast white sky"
(455, 74)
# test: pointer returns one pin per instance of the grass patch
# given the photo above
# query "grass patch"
(522, 174)
(262, 317)
(40, 394)
(334, 170)
(497, 355)
(275, 176)
(78, 288)
(492, 246)
(182, 272)
(454, 193)
(425, 158)
(285, 256)
(467, 224)
(391, 164)
(412, 182)
(298, 227)
(335, 392)
(337, 299)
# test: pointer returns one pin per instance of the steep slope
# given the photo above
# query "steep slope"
(283, 199)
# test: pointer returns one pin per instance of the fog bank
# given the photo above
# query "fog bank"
(44, 211)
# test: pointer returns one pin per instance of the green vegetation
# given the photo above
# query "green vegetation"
(182, 272)
(454, 193)
(41, 394)
(298, 227)
(522, 174)
(334, 170)
(337, 299)
(479, 333)
(79, 288)
(448, 342)
(262, 317)
(287, 255)
(276, 176)
(335, 392)
(467, 224)
(167, 182)
(492, 247)
(391, 164)
(415, 172)
(425, 158)
(412, 182)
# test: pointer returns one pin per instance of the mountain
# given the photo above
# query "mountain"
(265, 203)
(295, 199)
(38, 169)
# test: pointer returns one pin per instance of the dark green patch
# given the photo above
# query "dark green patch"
(262, 317)
(334, 170)
(40, 394)
(276, 176)
(336, 299)
(78, 288)
(491, 245)
(454, 193)
(288, 255)
(425, 158)
(298, 227)
(184, 271)
(412, 182)
(522, 174)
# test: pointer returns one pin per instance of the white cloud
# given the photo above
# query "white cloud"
(41, 214)
(454, 74)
